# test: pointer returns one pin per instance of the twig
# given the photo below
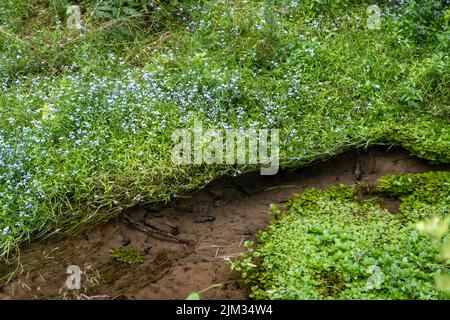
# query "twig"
(154, 231)
(99, 297)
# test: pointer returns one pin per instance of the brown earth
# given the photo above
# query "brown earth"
(215, 221)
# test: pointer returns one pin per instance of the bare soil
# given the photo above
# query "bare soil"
(215, 222)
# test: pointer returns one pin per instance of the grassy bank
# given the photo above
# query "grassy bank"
(86, 116)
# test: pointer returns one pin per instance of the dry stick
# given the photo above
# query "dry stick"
(99, 297)
(154, 231)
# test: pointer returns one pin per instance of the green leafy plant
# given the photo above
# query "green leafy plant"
(329, 245)
(420, 19)
(437, 228)
(127, 255)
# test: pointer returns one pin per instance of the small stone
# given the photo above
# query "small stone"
(204, 219)
(125, 241)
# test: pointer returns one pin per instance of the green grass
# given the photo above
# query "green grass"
(86, 116)
(330, 245)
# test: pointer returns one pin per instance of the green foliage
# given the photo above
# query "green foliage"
(432, 186)
(127, 255)
(437, 228)
(421, 18)
(427, 139)
(422, 194)
(330, 246)
(308, 199)
(86, 115)
(193, 296)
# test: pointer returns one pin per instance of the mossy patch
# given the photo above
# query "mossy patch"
(127, 255)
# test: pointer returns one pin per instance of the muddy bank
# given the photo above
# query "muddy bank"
(205, 228)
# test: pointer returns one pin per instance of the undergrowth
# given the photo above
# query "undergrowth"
(86, 116)
(330, 244)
